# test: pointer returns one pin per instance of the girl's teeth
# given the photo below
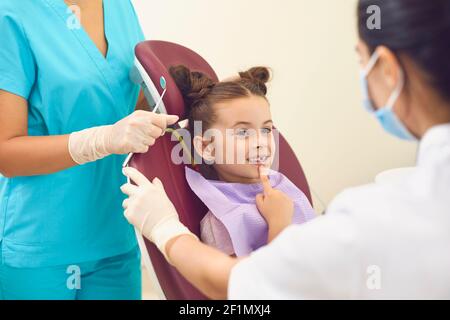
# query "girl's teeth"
(260, 159)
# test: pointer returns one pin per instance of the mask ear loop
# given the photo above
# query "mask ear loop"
(398, 90)
(372, 61)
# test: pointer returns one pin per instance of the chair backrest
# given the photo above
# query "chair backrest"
(155, 58)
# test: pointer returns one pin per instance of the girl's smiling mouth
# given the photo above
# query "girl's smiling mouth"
(262, 159)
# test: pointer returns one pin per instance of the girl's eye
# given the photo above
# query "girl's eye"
(242, 132)
(250, 132)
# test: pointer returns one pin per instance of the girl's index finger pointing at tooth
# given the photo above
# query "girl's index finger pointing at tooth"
(265, 181)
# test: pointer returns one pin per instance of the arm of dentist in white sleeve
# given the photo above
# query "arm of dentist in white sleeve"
(306, 261)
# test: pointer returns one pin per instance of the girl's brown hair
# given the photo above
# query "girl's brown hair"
(200, 93)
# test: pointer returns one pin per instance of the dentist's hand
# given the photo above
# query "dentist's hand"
(135, 133)
(149, 209)
(276, 208)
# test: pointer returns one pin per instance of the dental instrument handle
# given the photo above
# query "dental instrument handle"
(127, 159)
(155, 109)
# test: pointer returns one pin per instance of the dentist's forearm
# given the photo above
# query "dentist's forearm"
(206, 268)
(34, 155)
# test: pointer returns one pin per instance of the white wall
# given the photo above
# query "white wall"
(315, 93)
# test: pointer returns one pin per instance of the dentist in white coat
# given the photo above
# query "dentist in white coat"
(379, 241)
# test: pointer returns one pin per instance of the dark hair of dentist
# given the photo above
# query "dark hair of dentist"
(384, 240)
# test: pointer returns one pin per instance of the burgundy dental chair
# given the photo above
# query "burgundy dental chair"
(153, 59)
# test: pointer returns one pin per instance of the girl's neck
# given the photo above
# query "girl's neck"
(236, 179)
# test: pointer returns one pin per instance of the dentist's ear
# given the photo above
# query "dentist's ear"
(390, 66)
(204, 148)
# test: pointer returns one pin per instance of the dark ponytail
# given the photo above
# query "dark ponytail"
(419, 29)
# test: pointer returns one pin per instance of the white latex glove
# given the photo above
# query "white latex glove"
(149, 209)
(135, 133)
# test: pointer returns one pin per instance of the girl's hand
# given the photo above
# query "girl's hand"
(276, 208)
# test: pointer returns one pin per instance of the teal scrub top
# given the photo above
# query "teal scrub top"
(74, 215)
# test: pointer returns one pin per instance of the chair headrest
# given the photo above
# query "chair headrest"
(156, 58)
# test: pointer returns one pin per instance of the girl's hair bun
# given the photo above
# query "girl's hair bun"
(194, 86)
(258, 75)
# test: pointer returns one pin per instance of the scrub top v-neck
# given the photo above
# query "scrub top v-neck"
(74, 215)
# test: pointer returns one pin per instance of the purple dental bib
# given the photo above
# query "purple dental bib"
(234, 204)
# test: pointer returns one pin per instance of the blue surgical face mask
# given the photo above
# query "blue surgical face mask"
(385, 115)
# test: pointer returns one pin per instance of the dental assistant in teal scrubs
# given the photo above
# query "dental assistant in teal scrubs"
(67, 120)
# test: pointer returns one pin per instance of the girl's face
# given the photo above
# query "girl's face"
(240, 141)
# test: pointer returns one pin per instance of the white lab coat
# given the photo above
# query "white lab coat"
(380, 241)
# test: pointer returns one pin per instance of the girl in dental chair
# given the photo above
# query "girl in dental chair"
(232, 130)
